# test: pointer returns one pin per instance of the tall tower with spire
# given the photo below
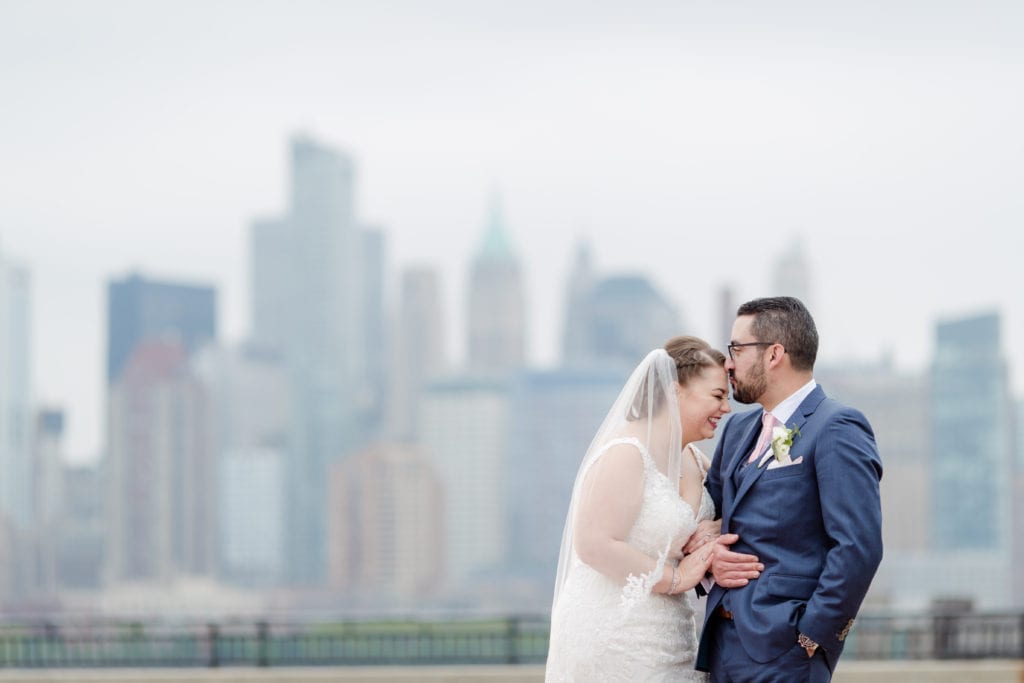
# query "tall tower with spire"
(496, 316)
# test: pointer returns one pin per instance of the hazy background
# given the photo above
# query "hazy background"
(691, 140)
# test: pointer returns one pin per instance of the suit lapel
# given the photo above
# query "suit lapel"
(803, 412)
(744, 445)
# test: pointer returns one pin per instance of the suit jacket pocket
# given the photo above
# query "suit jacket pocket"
(789, 586)
(783, 472)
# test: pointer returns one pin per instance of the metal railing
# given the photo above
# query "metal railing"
(513, 640)
(519, 640)
(940, 636)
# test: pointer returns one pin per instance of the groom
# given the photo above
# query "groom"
(797, 482)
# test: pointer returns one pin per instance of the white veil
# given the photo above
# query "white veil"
(646, 411)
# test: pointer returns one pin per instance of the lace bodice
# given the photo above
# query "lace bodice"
(602, 630)
(664, 514)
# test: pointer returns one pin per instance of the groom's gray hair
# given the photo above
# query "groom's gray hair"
(785, 320)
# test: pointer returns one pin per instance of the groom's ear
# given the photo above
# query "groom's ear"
(776, 354)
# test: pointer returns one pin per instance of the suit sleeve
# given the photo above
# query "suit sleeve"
(848, 470)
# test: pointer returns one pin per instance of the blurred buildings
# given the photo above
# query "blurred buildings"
(896, 405)
(159, 472)
(553, 416)
(972, 470)
(1018, 502)
(791, 275)
(16, 503)
(317, 301)
(140, 310)
(613, 320)
(496, 311)
(48, 495)
(420, 354)
(385, 527)
(17, 474)
(464, 437)
(81, 539)
(949, 505)
(249, 412)
(971, 423)
(339, 458)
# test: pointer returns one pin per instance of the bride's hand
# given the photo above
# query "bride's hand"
(707, 531)
(693, 568)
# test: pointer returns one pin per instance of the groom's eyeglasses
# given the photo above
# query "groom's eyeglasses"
(734, 345)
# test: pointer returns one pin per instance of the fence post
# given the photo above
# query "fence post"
(262, 644)
(53, 654)
(943, 629)
(213, 635)
(513, 640)
(1020, 636)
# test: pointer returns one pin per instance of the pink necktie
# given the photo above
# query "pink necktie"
(768, 422)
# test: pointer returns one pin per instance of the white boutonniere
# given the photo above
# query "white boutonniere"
(782, 441)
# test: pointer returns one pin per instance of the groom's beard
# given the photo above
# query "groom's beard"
(751, 389)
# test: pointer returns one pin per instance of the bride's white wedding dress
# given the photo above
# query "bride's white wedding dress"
(604, 631)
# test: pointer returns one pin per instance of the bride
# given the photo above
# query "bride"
(620, 612)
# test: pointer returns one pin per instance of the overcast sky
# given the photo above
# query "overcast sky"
(691, 140)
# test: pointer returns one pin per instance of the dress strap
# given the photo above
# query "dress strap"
(631, 440)
(699, 458)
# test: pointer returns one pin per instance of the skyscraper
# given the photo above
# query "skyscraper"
(464, 437)
(270, 284)
(972, 461)
(316, 293)
(1018, 507)
(323, 342)
(791, 274)
(373, 357)
(140, 309)
(726, 316)
(385, 526)
(16, 473)
(162, 477)
(420, 347)
(553, 417)
(897, 406)
(17, 504)
(497, 310)
(48, 495)
(971, 436)
(251, 515)
(577, 296)
(247, 393)
(158, 495)
(625, 317)
(613, 320)
(83, 529)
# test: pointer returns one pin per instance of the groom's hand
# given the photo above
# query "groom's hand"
(707, 531)
(733, 570)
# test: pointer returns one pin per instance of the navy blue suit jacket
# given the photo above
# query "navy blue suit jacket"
(816, 526)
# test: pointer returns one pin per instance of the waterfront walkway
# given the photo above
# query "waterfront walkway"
(980, 671)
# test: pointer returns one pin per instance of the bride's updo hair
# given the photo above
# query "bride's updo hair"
(692, 355)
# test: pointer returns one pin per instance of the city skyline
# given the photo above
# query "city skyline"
(887, 146)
